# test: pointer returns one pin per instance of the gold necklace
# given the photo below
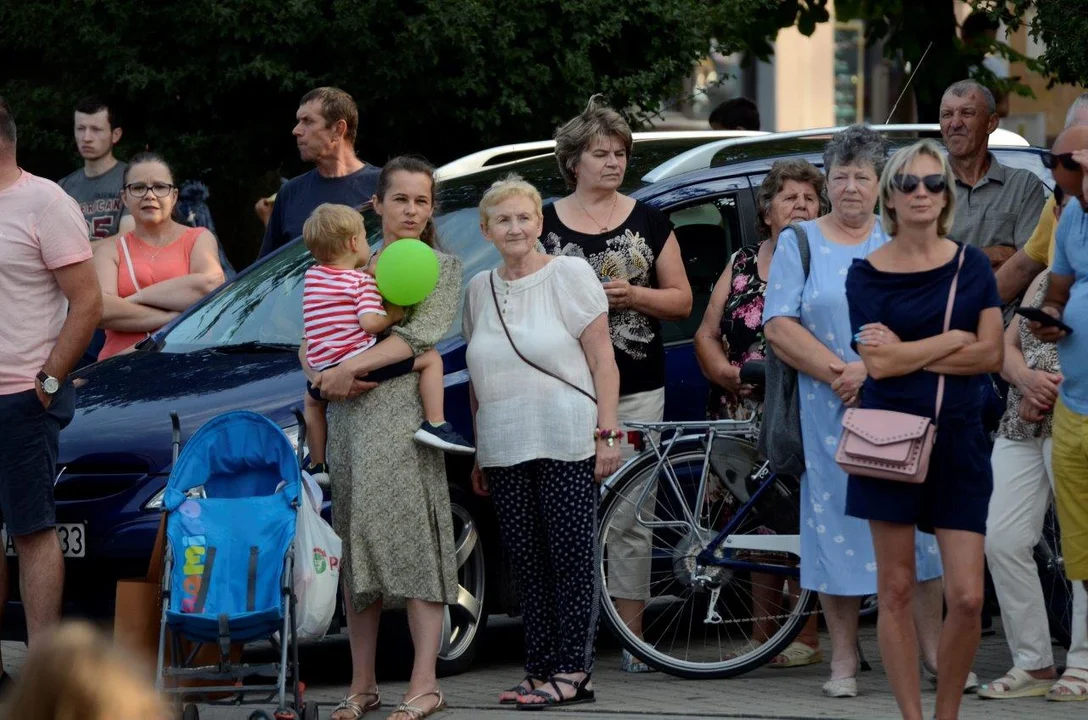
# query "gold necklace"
(604, 228)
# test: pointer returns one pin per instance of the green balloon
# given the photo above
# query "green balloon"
(406, 272)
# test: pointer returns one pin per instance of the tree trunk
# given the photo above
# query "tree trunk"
(932, 21)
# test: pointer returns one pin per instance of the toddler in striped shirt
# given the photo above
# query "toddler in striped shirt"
(342, 315)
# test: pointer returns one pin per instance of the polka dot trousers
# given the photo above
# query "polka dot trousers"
(548, 521)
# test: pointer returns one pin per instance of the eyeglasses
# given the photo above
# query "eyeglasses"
(907, 184)
(139, 190)
(1051, 161)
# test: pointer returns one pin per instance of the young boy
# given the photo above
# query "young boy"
(342, 314)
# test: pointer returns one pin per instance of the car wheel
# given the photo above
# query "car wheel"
(462, 628)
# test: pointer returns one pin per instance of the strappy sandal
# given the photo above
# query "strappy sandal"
(417, 713)
(1016, 683)
(581, 694)
(520, 689)
(357, 711)
(1072, 686)
(796, 654)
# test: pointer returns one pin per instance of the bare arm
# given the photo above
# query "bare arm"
(984, 355)
(1057, 294)
(376, 323)
(797, 347)
(671, 299)
(1016, 274)
(79, 284)
(998, 254)
(904, 358)
(712, 358)
(205, 275)
(121, 313)
(1014, 364)
(597, 345)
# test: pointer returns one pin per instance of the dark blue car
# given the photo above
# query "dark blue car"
(238, 349)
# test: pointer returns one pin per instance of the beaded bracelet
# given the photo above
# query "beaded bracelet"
(609, 436)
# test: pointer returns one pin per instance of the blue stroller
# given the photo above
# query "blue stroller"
(231, 504)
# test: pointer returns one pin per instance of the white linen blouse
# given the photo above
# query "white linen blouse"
(524, 414)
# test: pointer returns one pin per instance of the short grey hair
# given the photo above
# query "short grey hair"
(963, 88)
(856, 144)
(577, 134)
(1080, 105)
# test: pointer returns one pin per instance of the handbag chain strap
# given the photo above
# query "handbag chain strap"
(527, 361)
(947, 326)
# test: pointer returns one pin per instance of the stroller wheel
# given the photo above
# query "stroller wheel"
(286, 715)
(190, 712)
(309, 711)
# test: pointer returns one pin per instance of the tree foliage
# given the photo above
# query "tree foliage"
(1062, 27)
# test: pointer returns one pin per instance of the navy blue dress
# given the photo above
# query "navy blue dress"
(956, 492)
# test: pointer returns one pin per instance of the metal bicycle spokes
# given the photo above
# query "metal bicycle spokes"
(706, 614)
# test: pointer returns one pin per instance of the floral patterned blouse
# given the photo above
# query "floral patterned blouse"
(1039, 356)
(742, 335)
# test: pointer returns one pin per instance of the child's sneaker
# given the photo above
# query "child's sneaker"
(443, 437)
(319, 472)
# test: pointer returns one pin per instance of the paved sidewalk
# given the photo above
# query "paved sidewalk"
(780, 694)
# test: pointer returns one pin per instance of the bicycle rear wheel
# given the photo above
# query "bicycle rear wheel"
(700, 622)
(1057, 591)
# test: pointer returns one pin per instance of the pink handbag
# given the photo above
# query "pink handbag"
(890, 445)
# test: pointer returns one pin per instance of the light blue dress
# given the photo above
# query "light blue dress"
(836, 551)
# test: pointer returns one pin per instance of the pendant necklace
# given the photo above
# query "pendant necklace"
(604, 228)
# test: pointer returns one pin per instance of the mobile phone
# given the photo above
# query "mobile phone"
(605, 279)
(1037, 315)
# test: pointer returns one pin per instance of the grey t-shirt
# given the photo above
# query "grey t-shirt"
(99, 199)
(1002, 209)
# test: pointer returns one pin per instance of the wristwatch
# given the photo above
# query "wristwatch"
(50, 384)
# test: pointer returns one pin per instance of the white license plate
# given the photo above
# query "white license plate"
(73, 540)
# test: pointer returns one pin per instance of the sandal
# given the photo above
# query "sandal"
(630, 664)
(1070, 687)
(1016, 683)
(357, 711)
(520, 690)
(581, 694)
(970, 685)
(796, 654)
(416, 713)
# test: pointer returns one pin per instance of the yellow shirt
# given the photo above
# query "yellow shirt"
(1040, 246)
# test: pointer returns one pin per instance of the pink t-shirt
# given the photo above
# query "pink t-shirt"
(332, 301)
(41, 230)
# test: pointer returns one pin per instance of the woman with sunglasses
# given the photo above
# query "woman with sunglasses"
(898, 297)
(152, 274)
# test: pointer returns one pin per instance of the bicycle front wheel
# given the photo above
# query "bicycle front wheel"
(697, 622)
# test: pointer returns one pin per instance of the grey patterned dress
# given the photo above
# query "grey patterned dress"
(391, 505)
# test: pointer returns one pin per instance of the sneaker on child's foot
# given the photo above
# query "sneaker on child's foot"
(443, 437)
(320, 474)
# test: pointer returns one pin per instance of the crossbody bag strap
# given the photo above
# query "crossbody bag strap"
(128, 262)
(527, 361)
(948, 325)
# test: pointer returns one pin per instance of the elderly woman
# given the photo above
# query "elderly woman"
(806, 322)
(732, 333)
(899, 298)
(392, 502)
(152, 274)
(635, 255)
(543, 394)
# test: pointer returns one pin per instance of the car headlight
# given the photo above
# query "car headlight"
(155, 503)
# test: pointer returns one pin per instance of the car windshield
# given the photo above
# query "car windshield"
(263, 308)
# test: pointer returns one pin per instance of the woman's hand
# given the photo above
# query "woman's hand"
(337, 383)
(608, 459)
(621, 294)
(1040, 388)
(479, 481)
(848, 384)
(1029, 412)
(875, 335)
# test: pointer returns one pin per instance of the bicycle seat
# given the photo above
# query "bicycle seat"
(753, 372)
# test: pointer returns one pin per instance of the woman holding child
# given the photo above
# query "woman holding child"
(392, 505)
(544, 395)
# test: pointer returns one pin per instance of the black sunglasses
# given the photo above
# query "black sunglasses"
(1051, 161)
(909, 183)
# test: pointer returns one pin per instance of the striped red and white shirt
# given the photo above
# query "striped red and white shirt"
(332, 301)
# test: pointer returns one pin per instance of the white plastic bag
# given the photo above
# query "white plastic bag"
(317, 565)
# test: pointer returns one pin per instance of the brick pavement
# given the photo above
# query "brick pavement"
(763, 694)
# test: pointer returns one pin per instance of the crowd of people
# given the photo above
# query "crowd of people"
(880, 282)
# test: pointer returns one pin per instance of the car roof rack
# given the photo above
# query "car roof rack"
(700, 158)
(522, 151)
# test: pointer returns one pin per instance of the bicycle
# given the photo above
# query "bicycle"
(725, 546)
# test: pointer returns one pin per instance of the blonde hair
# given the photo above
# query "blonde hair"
(329, 230)
(897, 164)
(502, 190)
(77, 673)
(575, 136)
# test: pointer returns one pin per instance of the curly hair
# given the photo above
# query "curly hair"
(856, 144)
(796, 169)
